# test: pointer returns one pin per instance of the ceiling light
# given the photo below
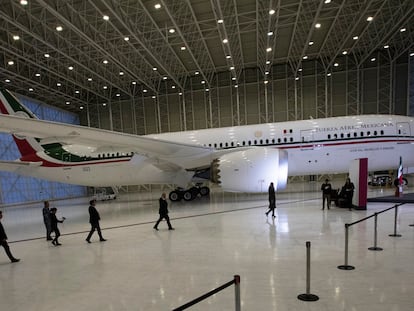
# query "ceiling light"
(265, 82)
(154, 68)
(153, 97)
(318, 25)
(300, 69)
(270, 33)
(104, 87)
(336, 65)
(77, 92)
(386, 46)
(7, 81)
(89, 79)
(172, 30)
(345, 52)
(81, 107)
(70, 67)
(232, 68)
(403, 29)
(305, 57)
(117, 94)
(24, 2)
(310, 42)
(59, 28)
(58, 84)
(16, 37)
(327, 1)
(144, 90)
(10, 63)
(157, 6)
(47, 55)
(207, 90)
(228, 56)
(225, 41)
(203, 82)
(164, 78)
(329, 74)
(373, 59)
(173, 87)
(37, 74)
(105, 17)
(133, 83)
(234, 79)
(355, 37)
(266, 72)
(271, 12)
(269, 50)
(411, 54)
(105, 61)
(267, 62)
(30, 89)
(183, 48)
(126, 38)
(196, 73)
(104, 104)
(369, 18)
(220, 21)
(297, 78)
(121, 73)
(236, 86)
(67, 103)
(180, 93)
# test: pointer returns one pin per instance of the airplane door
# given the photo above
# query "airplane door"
(403, 129)
(306, 140)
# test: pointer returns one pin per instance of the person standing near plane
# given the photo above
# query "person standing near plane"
(348, 190)
(46, 220)
(272, 200)
(163, 211)
(94, 219)
(3, 241)
(326, 194)
(54, 225)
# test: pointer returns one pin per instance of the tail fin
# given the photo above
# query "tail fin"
(10, 105)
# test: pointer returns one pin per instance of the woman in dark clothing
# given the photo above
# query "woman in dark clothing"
(54, 225)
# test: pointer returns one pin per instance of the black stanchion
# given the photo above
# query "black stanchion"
(308, 296)
(375, 247)
(395, 223)
(346, 266)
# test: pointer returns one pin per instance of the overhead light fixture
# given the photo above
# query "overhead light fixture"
(336, 65)
(228, 56)
(117, 94)
(105, 61)
(310, 42)
(196, 73)
(203, 82)
(134, 83)
(144, 90)
(105, 17)
(345, 52)
(16, 37)
(373, 59)
(70, 67)
(47, 55)
(386, 46)
(411, 54)
(305, 57)
(126, 38)
(300, 69)
(37, 74)
(265, 81)
(270, 33)
(266, 72)
(269, 50)
(403, 29)
(271, 12)
(172, 30)
(236, 86)
(59, 28)
(225, 40)
(58, 84)
(81, 107)
(183, 48)
(173, 86)
(89, 79)
(234, 78)
(329, 74)
(164, 78)
(327, 1)
(369, 19)
(10, 63)
(24, 2)
(318, 25)
(31, 89)
(7, 81)
(267, 62)
(297, 78)
(157, 6)
(77, 92)
(153, 97)
(207, 90)
(180, 93)
(104, 104)
(121, 73)
(154, 68)
(355, 37)
(104, 87)
(220, 21)
(232, 68)
(67, 103)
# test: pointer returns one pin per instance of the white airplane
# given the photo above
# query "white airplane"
(239, 158)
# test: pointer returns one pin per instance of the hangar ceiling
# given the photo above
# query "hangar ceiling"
(72, 52)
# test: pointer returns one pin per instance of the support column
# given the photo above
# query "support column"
(358, 173)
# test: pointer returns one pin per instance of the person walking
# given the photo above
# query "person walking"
(94, 219)
(54, 225)
(272, 200)
(3, 241)
(348, 190)
(46, 220)
(326, 194)
(163, 211)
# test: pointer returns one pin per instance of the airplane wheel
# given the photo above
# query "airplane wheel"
(204, 191)
(188, 195)
(174, 196)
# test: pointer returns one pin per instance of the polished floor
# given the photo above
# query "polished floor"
(139, 268)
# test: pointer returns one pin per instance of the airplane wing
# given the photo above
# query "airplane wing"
(17, 166)
(182, 155)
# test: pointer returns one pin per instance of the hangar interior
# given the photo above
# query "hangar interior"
(148, 67)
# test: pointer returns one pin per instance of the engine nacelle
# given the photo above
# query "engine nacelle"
(251, 170)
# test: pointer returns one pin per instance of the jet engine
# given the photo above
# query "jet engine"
(251, 170)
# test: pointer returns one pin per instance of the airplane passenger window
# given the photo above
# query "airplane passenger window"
(348, 135)
(335, 136)
(355, 134)
(368, 133)
(273, 140)
(250, 142)
(290, 131)
(215, 145)
(267, 141)
(261, 141)
(291, 139)
(375, 133)
(285, 139)
(342, 135)
(226, 144)
(209, 145)
(255, 142)
(362, 134)
(278, 140)
(244, 143)
(329, 136)
(382, 132)
(221, 145)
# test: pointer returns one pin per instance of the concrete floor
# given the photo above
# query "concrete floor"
(139, 268)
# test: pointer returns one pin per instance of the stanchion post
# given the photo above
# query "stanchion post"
(375, 247)
(345, 266)
(395, 223)
(308, 296)
(237, 292)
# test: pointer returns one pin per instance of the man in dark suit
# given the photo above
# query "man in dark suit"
(3, 241)
(94, 221)
(163, 211)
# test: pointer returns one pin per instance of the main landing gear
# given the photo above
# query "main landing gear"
(188, 194)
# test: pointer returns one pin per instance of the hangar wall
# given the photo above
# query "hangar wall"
(377, 87)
